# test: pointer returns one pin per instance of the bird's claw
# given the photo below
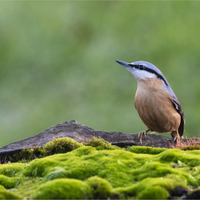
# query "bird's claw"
(176, 137)
(141, 134)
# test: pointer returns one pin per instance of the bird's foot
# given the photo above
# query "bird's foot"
(176, 137)
(142, 134)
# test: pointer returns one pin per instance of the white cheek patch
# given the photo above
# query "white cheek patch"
(141, 74)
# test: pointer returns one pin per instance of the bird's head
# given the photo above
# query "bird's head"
(142, 70)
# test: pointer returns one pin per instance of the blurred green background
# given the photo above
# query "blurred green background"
(57, 62)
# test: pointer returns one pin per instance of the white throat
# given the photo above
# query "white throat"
(141, 74)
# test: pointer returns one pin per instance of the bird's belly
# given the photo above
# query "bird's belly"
(157, 112)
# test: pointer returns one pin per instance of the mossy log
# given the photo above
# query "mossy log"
(99, 170)
(94, 168)
(82, 133)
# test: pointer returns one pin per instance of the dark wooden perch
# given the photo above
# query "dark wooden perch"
(82, 133)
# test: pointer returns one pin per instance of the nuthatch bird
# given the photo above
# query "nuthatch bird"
(155, 101)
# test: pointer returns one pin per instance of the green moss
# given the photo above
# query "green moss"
(5, 194)
(156, 169)
(101, 189)
(175, 155)
(154, 192)
(58, 173)
(85, 162)
(8, 182)
(57, 145)
(63, 189)
(11, 169)
(101, 144)
(27, 155)
(38, 167)
(191, 147)
(146, 150)
(152, 187)
(60, 145)
(139, 173)
(28, 186)
(83, 151)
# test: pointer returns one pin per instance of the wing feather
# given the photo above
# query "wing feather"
(178, 108)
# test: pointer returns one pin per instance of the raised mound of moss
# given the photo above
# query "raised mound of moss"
(102, 171)
(100, 144)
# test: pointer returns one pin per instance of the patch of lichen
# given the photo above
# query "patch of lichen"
(140, 172)
(100, 144)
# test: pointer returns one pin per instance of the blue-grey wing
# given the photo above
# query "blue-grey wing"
(178, 108)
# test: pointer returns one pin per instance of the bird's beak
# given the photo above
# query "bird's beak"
(123, 63)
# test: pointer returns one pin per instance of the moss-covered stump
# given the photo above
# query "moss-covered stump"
(98, 170)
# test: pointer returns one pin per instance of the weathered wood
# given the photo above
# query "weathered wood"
(82, 133)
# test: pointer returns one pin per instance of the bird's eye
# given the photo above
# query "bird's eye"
(141, 67)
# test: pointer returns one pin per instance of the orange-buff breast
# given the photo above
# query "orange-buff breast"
(155, 107)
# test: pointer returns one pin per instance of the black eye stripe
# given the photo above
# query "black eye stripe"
(158, 75)
(142, 67)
